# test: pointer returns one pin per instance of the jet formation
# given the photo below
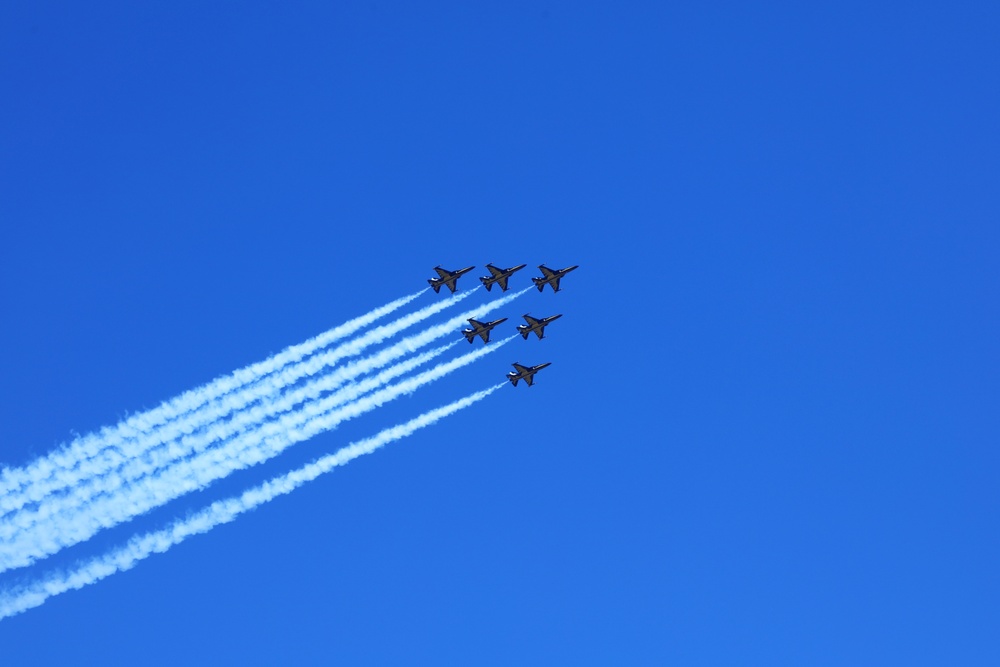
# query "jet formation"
(500, 277)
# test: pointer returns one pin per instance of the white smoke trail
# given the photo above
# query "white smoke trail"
(151, 460)
(219, 512)
(61, 512)
(211, 411)
(44, 472)
(200, 471)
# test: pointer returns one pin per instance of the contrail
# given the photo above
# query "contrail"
(219, 512)
(47, 469)
(197, 473)
(60, 515)
(216, 408)
(156, 458)
(63, 510)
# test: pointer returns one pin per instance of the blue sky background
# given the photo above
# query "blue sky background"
(769, 432)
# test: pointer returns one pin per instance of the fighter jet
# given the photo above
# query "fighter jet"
(481, 329)
(533, 325)
(446, 277)
(499, 276)
(550, 277)
(526, 373)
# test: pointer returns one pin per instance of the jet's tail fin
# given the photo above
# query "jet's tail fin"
(524, 331)
(513, 379)
(487, 283)
(469, 335)
(539, 283)
(435, 284)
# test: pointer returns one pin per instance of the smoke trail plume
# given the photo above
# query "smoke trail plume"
(155, 457)
(266, 442)
(110, 458)
(219, 512)
(45, 472)
(58, 515)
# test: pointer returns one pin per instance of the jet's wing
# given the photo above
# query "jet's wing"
(539, 332)
(494, 270)
(485, 335)
(520, 369)
(503, 283)
(555, 284)
(476, 324)
(530, 320)
(547, 272)
(442, 272)
(530, 379)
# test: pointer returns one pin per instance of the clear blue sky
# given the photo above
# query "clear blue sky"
(769, 434)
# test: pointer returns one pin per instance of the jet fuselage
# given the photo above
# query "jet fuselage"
(551, 277)
(526, 373)
(447, 278)
(498, 275)
(536, 326)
